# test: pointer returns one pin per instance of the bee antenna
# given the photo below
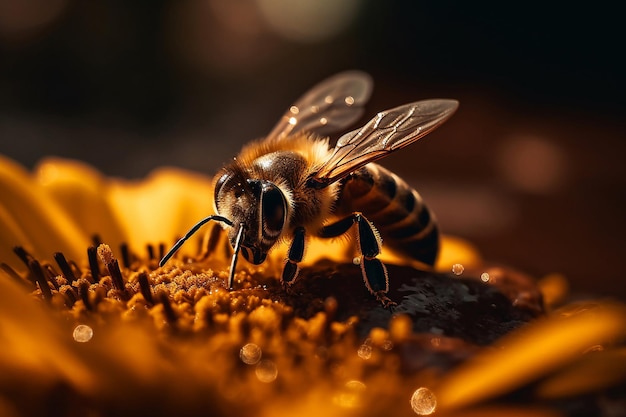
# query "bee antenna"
(233, 263)
(190, 233)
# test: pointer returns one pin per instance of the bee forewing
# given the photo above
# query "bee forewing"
(329, 106)
(387, 132)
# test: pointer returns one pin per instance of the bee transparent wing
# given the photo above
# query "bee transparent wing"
(329, 106)
(387, 132)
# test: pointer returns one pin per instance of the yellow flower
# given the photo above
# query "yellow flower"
(105, 331)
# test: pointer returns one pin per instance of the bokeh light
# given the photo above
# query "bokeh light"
(306, 20)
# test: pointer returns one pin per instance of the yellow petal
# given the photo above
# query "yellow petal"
(456, 250)
(531, 352)
(162, 207)
(36, 346)
(81, 191)
(595, 371)
(10, 235)
(453, 250)
(554, 288)
(47, 226)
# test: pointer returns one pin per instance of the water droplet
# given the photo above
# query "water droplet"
(250, 353)
(484, 277)
(435, 342)
(82, 333)
(323, 121)
(293, 121)
(387, 345)
(294, 110)
(351, 395)
(423, 401)
(457, 269)
(349, 100)
(266, 371)
(365, 351)
(356, 260)
(329, 99)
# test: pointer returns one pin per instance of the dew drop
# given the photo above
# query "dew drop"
(82, 333)
(349, 100)
(356, 260)
(329, 99)
(293, 121)
(423, 401)
(351, 395)
(323, 121)
(250, 353)
(266, 371)
(457, 269)
(355, 385)
(435, 342)
(364, 351)
(387, 345)
(484, 277)
(294, 110)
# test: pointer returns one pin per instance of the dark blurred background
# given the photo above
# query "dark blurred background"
(530, 168)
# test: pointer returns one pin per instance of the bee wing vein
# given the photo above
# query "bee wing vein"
(387, 132)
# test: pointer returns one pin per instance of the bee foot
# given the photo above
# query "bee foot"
(288, 289)
(387, 302)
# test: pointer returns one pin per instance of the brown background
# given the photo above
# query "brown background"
(530, 169)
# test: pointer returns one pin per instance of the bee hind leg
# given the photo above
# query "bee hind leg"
(373, 270)
(295, 255)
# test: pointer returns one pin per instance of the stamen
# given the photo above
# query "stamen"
(65, 267)
(13, 274)
(150, 249)
(125, 255)
(92, 255)
(70, 295)
(51, 274)
(35, 268)
(106, 256)
(23, 254)
(213, 239)
(75, 268)
(161, 250)
(170, 314)
(144, 287)
(83, 292)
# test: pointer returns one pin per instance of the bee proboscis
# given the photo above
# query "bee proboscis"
(292, 184)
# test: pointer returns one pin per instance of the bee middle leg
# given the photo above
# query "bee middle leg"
(295, 255)
(369, 242)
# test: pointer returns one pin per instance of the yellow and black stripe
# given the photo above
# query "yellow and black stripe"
(397, 210)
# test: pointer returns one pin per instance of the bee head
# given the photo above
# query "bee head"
(259, 206)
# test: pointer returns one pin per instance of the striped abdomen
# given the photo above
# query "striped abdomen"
(396, 209)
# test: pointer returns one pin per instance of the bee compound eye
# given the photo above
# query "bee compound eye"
(219, 184)
(273, 206)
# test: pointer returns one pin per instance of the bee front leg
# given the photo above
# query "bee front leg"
(295, 255)
(373, 270)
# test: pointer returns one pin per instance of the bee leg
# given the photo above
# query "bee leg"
(373, 270)
(295, 255)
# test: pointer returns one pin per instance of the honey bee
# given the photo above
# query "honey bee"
(292, 184)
